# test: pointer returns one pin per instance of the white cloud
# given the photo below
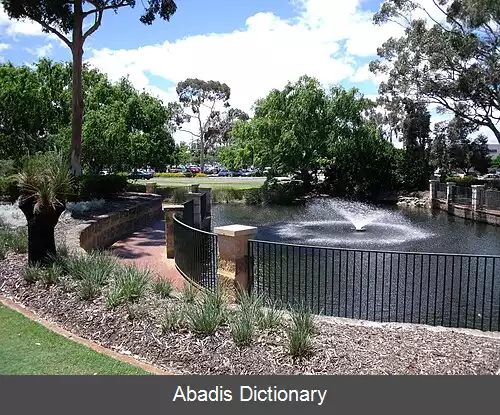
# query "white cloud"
(42, 51)
(266, 54)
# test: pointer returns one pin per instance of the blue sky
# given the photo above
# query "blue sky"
(252, 45)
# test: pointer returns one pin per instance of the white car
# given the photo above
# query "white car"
(490, 176)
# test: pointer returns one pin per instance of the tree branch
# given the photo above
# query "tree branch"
(52, 30)
(101, 9)
(95, 26)
(193, 134)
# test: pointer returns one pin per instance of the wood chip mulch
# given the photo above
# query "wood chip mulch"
(340, 347)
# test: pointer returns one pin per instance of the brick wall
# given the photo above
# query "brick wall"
(104, 230)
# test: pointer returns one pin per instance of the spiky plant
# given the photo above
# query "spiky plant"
(45, 183)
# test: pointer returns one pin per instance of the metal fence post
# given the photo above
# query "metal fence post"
(233, 256)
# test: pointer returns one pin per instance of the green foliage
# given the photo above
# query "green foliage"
(300, 332)
(207, 316)
(99, 187)
(131, 284)
(168, 175)
(253, 197)
(242, 328)
(496, 162)
(275, 192)
(46, 180)
(227, 195)
(466, 181)
(32, 273)
(269, 317)
(98, 266)
(189, 294)
(15, 240)
(363, 166)
(9, 188)
(413, 170)
(163, 287)
(458, 49)
(51, 275)
(174, 319)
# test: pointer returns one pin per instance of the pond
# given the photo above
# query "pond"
(332, 222)
(375, 263)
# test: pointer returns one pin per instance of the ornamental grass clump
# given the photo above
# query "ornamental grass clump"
(207, 315)
(129, 286)
(51, 274)
(269, 317)
(163, 287)
(174, 319)
(242, 328)
(300, 333)
(189, 294)
(32, 273)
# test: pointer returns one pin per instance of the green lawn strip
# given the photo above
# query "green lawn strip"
(28, 348)
(203, 183)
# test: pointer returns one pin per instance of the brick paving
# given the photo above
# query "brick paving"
(146, 249)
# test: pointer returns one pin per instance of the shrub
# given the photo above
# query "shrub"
(51, 275)
(179, 194)
(303, 318)
(269, 318)
(98, 266)
(227, 195)
(163, 287)
(9, 188)
(3, 251)
(174, 319)
(249, 304)
(209, 314)
(253, 197)
(99, 187)
(131, 283)
(201, 175)
(300, 332)
(113, 299)
(242, 329)
(189, 294)
(465, 181)
(168, 175)
(17, 240)
(32, 273)
(90, 286)
(274, 192)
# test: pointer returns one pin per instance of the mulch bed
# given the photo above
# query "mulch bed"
(340, 347)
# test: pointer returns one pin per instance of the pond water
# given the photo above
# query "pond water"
(332, 223)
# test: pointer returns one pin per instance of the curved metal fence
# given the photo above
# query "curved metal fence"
(196, 254)
(427, 288)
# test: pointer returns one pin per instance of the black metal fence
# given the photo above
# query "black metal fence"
(463, 195)
(441, 190)
(426, 288)
(196, 254)
(492, 199)
(188, 213)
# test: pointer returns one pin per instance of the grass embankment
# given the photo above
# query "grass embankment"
(214, 183)
(28, 348)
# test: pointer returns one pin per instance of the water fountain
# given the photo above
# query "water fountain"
(336, 222)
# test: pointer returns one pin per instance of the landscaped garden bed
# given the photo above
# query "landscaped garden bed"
(145, 321)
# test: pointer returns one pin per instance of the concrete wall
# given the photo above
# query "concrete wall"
(104, 230)
(493, 218)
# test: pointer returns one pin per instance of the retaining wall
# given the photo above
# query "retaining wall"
(104, 230)
(485, 216)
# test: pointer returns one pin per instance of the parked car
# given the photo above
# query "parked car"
(224, 173)
(140, 175)
(194, 169)
(490, 176)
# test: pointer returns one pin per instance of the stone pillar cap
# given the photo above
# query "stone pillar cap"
(451, 183)
(478, 185)
(172, 207)
(235, 230)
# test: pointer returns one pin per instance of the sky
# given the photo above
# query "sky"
(251, 45)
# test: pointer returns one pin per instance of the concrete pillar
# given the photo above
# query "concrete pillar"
(233, 256)
(196, 198)
(194, 188)
(170, 211)
(208, 191)
(450, 192)
(433, 188)
(478, 196)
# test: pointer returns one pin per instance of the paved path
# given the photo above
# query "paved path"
(146, 249)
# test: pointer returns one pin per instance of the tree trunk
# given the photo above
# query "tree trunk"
(495, 130)
(41, 224)
(306, 178)
(77, 91)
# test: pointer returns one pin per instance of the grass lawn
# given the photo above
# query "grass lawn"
(28, 348)
(214, 183)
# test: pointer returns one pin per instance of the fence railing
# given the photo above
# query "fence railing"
(196, 254)
(492, 199)
(463, 195)
(441, 190)
(426, 288)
